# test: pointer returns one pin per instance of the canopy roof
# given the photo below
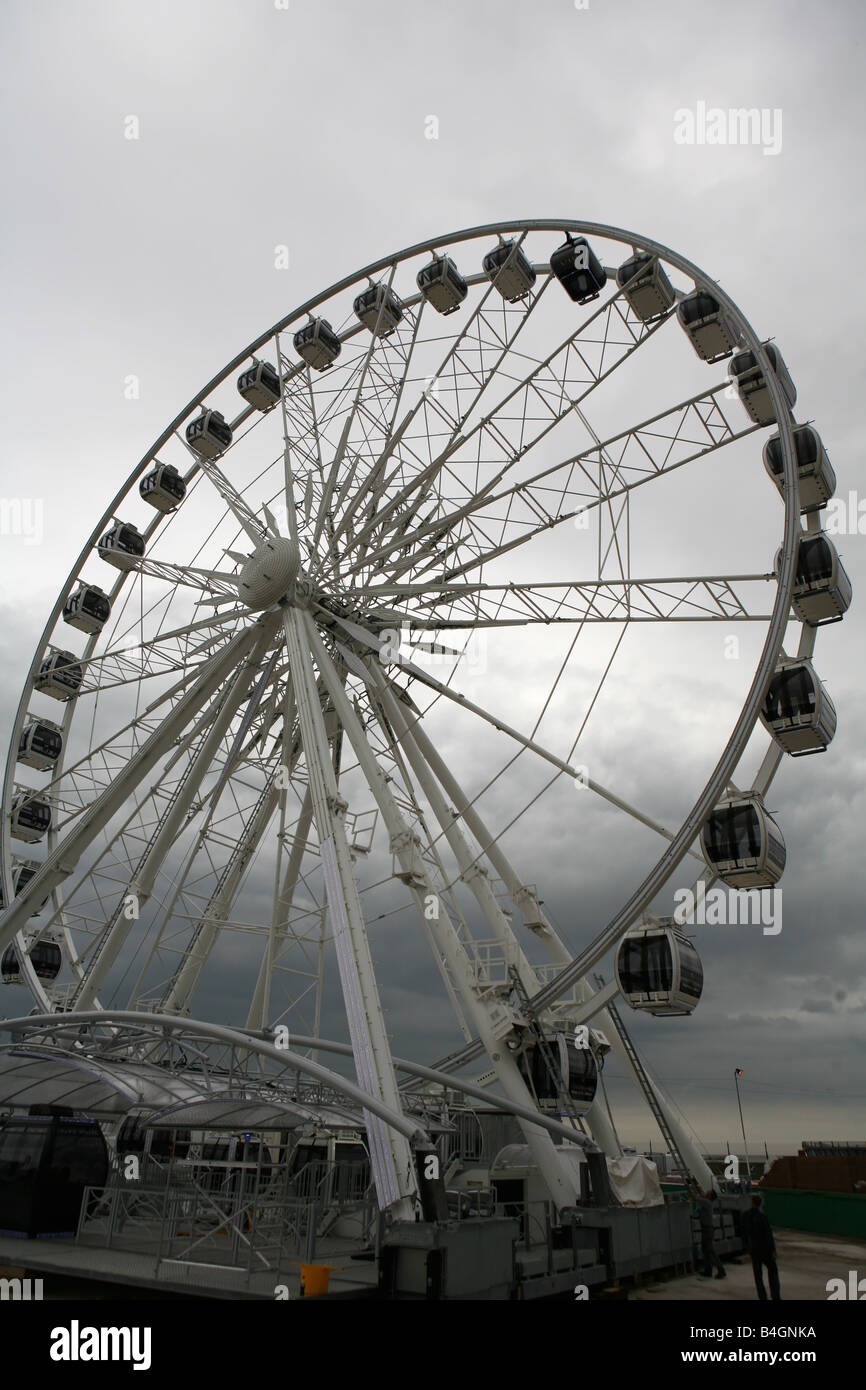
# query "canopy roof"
(34, 1075)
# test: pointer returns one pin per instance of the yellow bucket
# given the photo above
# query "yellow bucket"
(315, 1279)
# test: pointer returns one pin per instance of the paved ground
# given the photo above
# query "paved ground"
(127, 1274)
(806, 1261)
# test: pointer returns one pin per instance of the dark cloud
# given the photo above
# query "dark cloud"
(305, 127)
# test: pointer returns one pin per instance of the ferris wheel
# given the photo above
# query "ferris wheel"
(505, 458)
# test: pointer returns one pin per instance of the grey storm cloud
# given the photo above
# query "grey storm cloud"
(307, 128)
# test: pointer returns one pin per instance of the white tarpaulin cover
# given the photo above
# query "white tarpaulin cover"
(635, 1181)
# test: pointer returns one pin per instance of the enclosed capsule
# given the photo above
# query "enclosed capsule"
(797, 710)
(577, 1073)
(45, 957)
(752, 385)
(743, 844)
(209, 434)
(40, 744)
(259, 385)
(46, 1163)
(816, 479)
(712, 334)
(578, 269)
(163, 487)
(22, 872)
(509, 270)
(317, 344)
(88, 608)
(30, 818)
(60, 675)
(122, 546)
(822, 589)
(379, 309)
(442, 285)
(659, 969)
(646, 287)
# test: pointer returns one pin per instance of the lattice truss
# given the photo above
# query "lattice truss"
(427, 477)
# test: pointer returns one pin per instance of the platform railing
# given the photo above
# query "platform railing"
(186, 1225)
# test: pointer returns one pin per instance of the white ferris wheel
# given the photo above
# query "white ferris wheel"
(509, 456)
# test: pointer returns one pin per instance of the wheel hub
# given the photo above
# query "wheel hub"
(269, 573)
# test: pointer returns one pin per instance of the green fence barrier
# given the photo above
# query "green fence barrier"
(831, 1213)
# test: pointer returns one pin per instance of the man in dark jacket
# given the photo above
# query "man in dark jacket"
(762, 1248)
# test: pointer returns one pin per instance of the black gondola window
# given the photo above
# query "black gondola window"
(791, 693)
(45, 741)
(35, 814)
(814, 561)
(733, 833)
(699, 306)
(806, 449)
(647, 966)
(691, 971)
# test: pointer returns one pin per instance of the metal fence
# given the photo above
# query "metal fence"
(230, 1216)
(190, 1225)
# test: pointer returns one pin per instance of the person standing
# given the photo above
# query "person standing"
(706, 1214)
(762, 1248)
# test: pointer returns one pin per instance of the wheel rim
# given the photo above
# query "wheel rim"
(722, 773)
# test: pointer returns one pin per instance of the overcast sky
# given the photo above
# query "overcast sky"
(306, 126)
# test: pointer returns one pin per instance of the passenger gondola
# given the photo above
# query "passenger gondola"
(577, 1073)
(317, 344)
(259, 385)
(379, 309)
(509, 270)
(752, 385)
(40, 744)
(646, 287)
(816, 481)
(658, 968)
(712, 334)
(88, 608)
(45, 957)
(21, 876)
(578, 269)
(797, 710)
(442, 285)
(822, 589)
(743, 844)
(209, 434)
(60, 675)
(163, 487)
(122, 546)
(46, 1162)
(30, 818)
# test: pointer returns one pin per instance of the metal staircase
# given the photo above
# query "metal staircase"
(644, 1082)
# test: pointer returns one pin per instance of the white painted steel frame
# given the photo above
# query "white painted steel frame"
(56, 868)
